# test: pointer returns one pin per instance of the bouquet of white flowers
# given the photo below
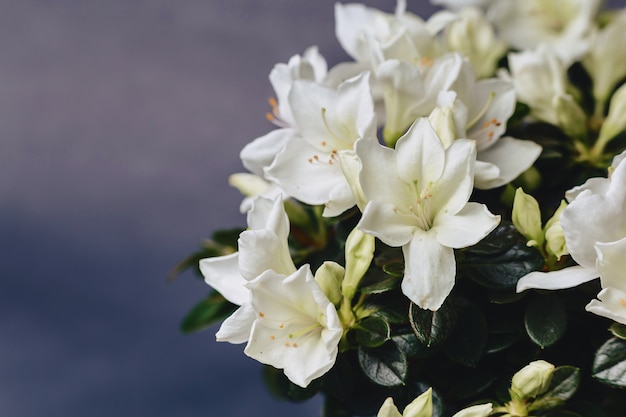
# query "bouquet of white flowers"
(439, 224)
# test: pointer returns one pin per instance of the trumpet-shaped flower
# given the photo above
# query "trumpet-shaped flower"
(611, 302)
(261, 248)
(565, 25)
(296, 327)
(329, 122)
(595, 213)
(418, 199)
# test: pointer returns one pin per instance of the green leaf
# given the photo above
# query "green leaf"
(469, 383)
(467, 343)
(372, 331)
(545, 320)
(207, 312)
(565, 381)
(618, 330)
(609, 364)
(410, 345)
(378, 282)
(395, 269)
(385, 365)
(500, 260)
(432, 327)
(563, 413)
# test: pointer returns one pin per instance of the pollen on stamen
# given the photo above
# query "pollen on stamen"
(261, 314)
(622, 302)
(281, 326)
(272, 337)
(486, 124)
(323, 143)
(270, 117)
(288, 344)
(295, 345)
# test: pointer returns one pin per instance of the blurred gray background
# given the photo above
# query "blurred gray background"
(120, 122)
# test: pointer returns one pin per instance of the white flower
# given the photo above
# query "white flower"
(611, 302)
(262, 247)
(296, 327)
(539, 77)
(310, 66)
(460, 4)
(418, 199)
(410, 91)
(595, 213)
(473, 35)
(371, 36)
(565, 25)
(329, 122)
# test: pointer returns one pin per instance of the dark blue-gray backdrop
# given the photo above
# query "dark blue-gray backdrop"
(120, 122)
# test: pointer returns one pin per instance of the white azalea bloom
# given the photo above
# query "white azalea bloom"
(611, 302)
(480, 109)
(329, 122)
(594, 214)
(410, 91)
(310, 66)
(263, 246)
(473, 35)
(604, 61)
(252, 186)
(418, 199)
(296, 327)
(566, 25)
(539, 77)
(371, 36)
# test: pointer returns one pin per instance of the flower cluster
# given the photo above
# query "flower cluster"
(396, 236)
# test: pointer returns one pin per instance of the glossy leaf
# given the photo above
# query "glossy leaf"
(207, 312)
(432, 327)
(545, 320)
(385, 365)
(467, 343)
(609, 365)
(372, 331)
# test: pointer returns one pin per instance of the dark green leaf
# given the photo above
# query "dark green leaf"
(500, 260)
(385, 365)
(432, 327)
(545, 320)
(562, 413)
(372, 331)
(470, 383)
(227, 238)
(410, 345)
(618, 330)
(609, 364)
(395, 269)
(467, 343)
(207, 312)
(497, 342)
(378, 282)
(565, 381)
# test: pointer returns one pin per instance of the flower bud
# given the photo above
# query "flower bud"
(359, 254)
(532, 380)
(329, 277)
(615, 122)
(555, 239)
(571, 118)
(527, 218)
(442, 122)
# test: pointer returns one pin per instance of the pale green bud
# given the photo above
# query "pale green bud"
(571, 117)
(442, 121)
(555, 239)
(359, 254)
(527, 218)
(480, 410)
(532, 380)
(248, 184)
(329, 277)
(389, 409)
(615, 122)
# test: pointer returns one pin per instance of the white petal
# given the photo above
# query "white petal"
(453, 189)
(260, 153)
(557, 280)
(339, 200)
(260, 250)
(378, 174)
(269, 214)
(480, 410)
(306, 173)
(466, 228)
(611, 304)
(383, 221)
(612, 264)
(236, 328)
(420, 154)
(495, 99)
(222, 273)
(429, 271)
(511, 156)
